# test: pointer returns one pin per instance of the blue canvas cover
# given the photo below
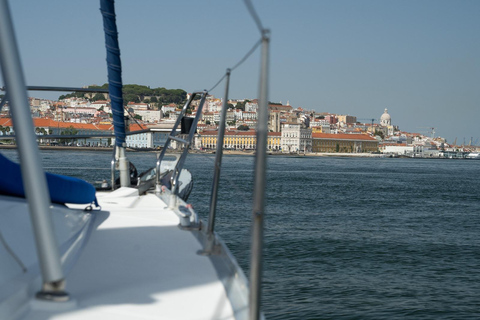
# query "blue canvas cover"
(62, 189)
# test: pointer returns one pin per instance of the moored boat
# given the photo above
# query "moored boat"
(473, 155)
(133, 252)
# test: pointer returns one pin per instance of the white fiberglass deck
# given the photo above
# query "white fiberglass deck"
(138, 264)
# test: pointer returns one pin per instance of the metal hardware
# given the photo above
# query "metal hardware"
(34, 180)
(53, 291)
(181, 161)
(187, 142)
(259, 186)
(112, 168)
(218, 164)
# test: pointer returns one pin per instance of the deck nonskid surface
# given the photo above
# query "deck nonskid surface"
(139, 265)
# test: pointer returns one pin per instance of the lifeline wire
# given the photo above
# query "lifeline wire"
(258, 22)
(131, 116)
(234, 185)
(249, 53)
(12, 253)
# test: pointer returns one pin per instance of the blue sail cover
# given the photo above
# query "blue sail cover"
(62, 189)
(114, 69)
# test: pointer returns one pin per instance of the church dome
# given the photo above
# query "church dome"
(385, 115)
(385, 119)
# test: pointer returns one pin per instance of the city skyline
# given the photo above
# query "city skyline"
(418, 59)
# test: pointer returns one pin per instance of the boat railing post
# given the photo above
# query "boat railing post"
(158, 187)
(112, 167)
(181, 161)
(123, 167)
(33, 176)
(216, 174)
(259, 184)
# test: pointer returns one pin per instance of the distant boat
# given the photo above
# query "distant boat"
(473, 155)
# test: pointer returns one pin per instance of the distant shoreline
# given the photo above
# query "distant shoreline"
(231, 152)
(225, 152)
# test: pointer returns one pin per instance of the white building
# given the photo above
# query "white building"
(385, 119)
(150, 115)
(249, 115)
(98, 104)
(251, 106)
(397, 149)
(169, 108)
(296, 137)
(214, 105)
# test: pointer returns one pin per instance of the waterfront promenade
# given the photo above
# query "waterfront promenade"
(225, 152)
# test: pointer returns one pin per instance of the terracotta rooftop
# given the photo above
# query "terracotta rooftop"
(342, 136)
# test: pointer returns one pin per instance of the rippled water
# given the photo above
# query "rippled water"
(345, 238)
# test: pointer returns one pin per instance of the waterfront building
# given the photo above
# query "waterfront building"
(397, 148)
(350, 143)
(296, 137)
(237, 140)
(49, 126)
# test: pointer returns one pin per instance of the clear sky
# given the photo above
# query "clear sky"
(419, 59)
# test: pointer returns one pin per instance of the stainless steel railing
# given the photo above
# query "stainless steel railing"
(185, 142)
(33, 177)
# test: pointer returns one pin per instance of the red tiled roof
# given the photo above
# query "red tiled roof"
(45, 122)
(342, 136)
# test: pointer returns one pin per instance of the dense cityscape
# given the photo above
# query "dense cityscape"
(291, 130)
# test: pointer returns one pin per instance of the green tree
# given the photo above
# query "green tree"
(98, 96)
(70, 131)
(380, 134)
(243, 127)
(241, 105)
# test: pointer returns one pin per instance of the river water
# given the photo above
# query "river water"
(345, 238)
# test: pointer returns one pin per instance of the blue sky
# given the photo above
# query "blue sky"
(419, 59)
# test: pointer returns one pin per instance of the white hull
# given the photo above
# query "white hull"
(473, 155)
(137, 264)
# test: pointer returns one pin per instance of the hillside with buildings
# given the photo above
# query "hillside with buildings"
(291, 130)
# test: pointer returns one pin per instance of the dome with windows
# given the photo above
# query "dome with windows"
(385, 119)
